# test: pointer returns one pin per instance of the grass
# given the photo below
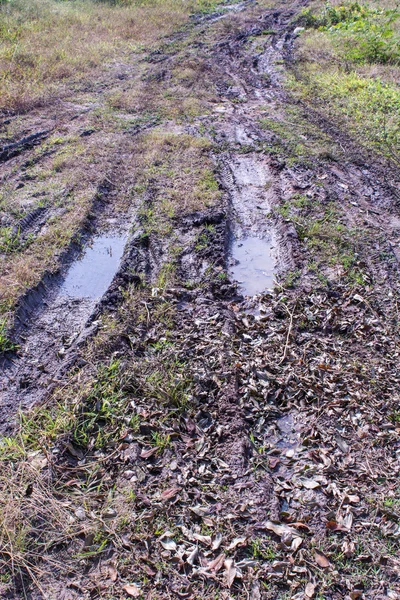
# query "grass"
(6, 345)
(296, 138)
(333, 247)
(349, 58)
(81, 37)
(178, 168)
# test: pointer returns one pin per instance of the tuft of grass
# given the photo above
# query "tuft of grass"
(6, 345)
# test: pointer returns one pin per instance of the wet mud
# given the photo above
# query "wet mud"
(91, 274)
(56, 322)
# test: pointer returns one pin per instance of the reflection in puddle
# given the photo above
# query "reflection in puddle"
(253, 264)
(91, 275)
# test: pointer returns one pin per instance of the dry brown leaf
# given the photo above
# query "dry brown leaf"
(310, 484)
(296, 543)
(132, 590)
(149, 452)
(279, 529)
(333, 526)
(112, 573)
(236, 542)
(217, 542)
(302, 526)
(167, 541)
(169, 493)
(322, 560)
(310, 590)
(273, 462)
(356, 594)
(348, 548)
(204, 539)
(216, 564)
(230, 572)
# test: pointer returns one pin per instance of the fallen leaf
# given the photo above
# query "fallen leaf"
(149, 452)
(333, 526)
(322, 560)
(200, 511)
(204, 539)
(132, 590)
(217, 542)
(348, 548)
(296, 543)
(273, 462)
(216, 564)
(303, 526)
(112, 573)
(310, 590)
(230, 572)
(310, 484)
(342, 445)
(348, 520)
(192, 557)
(280, 530)
(169, 493)
(167, 542)
(236, 542)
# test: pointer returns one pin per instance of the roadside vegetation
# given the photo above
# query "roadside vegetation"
(348, 62)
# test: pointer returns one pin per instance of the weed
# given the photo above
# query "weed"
(260, 550)
(9, 240)
(365, 33)
(6, 345)
(161, 440)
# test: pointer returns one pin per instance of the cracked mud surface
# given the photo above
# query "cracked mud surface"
(264, 423)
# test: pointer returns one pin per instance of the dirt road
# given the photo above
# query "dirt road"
(217, 408)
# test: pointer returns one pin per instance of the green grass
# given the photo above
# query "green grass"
(348, 65)
(362, 33)
(6, 345)
(368, 105)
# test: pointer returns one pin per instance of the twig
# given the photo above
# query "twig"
(288, 333)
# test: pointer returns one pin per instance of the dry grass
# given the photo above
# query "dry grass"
(32, 520)
(179, 89)
(45, 43)
(176, 167)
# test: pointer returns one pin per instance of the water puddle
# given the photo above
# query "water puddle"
(253, 264)
(91, 275)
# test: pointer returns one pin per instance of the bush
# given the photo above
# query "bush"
(366, 34)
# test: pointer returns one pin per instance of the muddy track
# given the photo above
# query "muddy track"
(252, 436)
(49, 326)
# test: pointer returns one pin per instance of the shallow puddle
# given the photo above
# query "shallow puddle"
(91, 275)
(253, 264)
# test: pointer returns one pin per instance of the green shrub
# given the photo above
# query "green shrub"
(365, 34)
